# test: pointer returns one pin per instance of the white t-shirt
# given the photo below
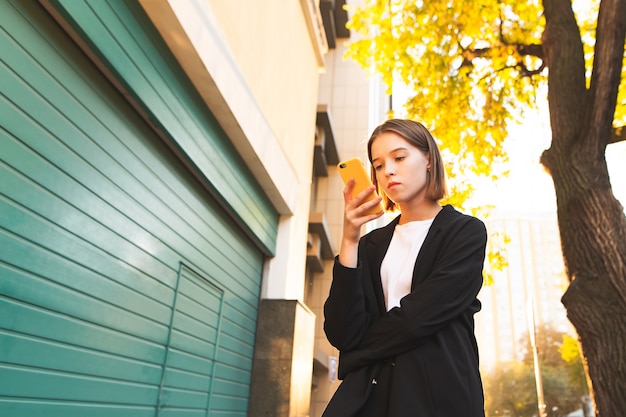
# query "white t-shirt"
(396, 271)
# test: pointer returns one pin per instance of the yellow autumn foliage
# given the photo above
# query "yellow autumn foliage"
(472, 69)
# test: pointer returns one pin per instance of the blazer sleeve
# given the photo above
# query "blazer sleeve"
(346, 313)
(448, 291)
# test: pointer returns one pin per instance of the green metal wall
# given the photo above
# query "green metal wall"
(126, 288)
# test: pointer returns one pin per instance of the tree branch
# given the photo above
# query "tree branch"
(567, 93)
(535, 50)
(527, 72)
(470, 54)
(607, 66)
(618, 134)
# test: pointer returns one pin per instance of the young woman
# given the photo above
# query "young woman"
(401, 305)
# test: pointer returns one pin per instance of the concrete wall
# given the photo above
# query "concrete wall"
(273, 48)
(358, 104)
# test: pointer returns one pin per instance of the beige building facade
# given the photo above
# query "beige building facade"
(274, 75)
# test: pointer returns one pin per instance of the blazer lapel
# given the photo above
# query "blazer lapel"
(428, 251)
(378, 243)
(376, 250)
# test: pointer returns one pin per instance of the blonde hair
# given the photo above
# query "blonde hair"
(417, 135)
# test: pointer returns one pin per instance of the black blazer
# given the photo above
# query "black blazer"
(419, 359)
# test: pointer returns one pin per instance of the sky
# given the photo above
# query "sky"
(529, 188)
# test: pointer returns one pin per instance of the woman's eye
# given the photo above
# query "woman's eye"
(400, 158)
(377, 167)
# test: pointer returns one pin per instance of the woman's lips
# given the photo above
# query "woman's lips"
(392, 184)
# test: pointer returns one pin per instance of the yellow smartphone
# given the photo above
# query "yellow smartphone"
(353, 168)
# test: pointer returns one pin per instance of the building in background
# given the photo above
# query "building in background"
(358, 104)
(535, 272)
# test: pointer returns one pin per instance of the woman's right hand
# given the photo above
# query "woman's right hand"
(355, 208)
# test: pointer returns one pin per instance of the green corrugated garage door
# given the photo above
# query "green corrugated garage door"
(125, 290)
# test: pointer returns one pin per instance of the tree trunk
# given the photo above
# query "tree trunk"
(591, 221)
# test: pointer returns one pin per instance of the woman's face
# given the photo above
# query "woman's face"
(401, 168)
